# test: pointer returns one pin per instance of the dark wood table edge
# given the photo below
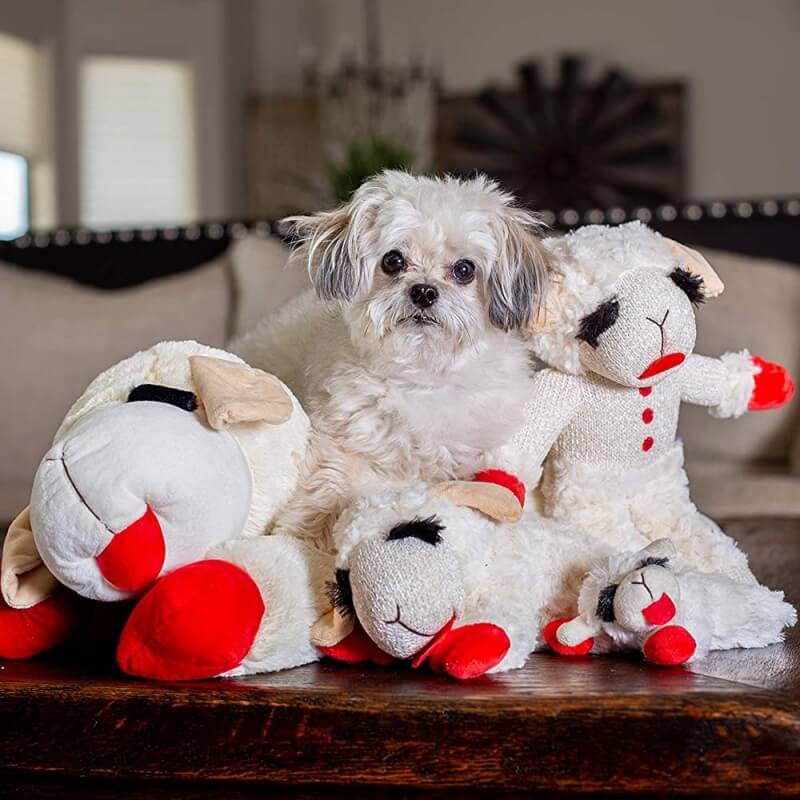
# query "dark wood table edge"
(699, 743)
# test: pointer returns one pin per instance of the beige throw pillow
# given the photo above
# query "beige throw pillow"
(57, 335)
(760, 311)
(264, 279)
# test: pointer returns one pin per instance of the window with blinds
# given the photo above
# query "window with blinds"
(137, 142)
(19, 139)
(13, 195)
(19, 72)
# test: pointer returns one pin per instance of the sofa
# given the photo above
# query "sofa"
(72, 302)
(70, 310)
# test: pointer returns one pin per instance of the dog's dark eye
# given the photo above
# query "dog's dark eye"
(393, 262)
(605, 603)
(599, 321)
(692, 285)
(464, 271)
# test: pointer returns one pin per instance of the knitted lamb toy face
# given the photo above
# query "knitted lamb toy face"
(623, 305)
(412, 578)
(391, 552)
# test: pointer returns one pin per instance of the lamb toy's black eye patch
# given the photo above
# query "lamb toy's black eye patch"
(599, 321)
(340, 593)
(163, 394)
(427, 530)
(605, 603)
(691, 285)
(652, 561)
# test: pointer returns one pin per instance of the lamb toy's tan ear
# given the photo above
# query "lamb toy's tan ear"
(331, 628)
(232, 393)
(696, 263)
(661, 548)
(491, 499)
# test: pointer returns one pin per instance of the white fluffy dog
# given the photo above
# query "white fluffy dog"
(408, 358)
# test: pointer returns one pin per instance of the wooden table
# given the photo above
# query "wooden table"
(728, 725)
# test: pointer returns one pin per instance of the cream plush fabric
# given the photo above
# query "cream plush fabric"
(759, 310)
(57, 335)
(751, 468)
(521, 575)
(292, 578)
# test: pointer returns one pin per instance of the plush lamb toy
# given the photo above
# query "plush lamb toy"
(653, 601)
(162, 475)
(617, 337)
(449, 576)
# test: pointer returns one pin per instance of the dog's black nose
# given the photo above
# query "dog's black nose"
(423, 295)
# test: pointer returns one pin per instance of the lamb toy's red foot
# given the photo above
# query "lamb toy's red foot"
(197, 622)
(357, 648)
(550, 634)
(669, 646)
(466, 652)
(462, 653)
(773, 388)
(28, 632)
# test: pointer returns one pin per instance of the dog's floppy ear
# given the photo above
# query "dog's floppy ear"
(518, 281)
(327, 240)
(331, 242)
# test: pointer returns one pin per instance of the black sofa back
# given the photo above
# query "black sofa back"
(121, 258)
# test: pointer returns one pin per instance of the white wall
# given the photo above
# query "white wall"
(38, 20)
(213, 35)
(41, 22)
(741, 59)
(192, 30)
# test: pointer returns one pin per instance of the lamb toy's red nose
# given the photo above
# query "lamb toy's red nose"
(669, 361)
(134, 557)
(660, 611)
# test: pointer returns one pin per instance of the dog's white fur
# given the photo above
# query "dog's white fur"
(392, 400)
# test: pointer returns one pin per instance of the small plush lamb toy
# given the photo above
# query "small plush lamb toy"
(652, 601)
(617, 337)
(451, 577)
(157, 486)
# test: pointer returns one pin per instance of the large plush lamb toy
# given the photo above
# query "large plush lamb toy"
(158, 483)
(617, 337)
(450, 577)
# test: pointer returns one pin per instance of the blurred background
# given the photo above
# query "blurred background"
(127, 112)
(147, 147)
